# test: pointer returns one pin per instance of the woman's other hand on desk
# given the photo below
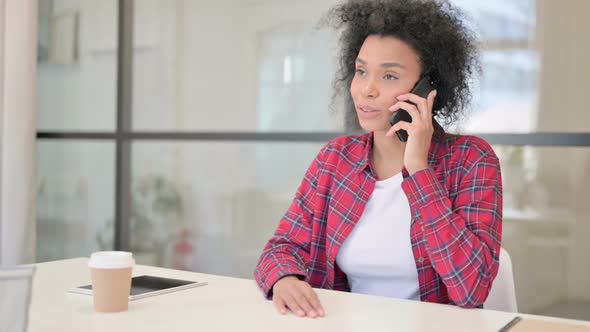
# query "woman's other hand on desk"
(297, 296)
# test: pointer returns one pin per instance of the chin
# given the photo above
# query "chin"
(375, 126)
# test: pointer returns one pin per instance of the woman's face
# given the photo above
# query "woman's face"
(386, 67)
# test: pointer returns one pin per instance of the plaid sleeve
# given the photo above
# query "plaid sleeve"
(287, 252)
(462, 236)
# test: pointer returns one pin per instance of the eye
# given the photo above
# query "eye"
(390, 77)
(359, 71)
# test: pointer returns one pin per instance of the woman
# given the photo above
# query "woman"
(417, 220)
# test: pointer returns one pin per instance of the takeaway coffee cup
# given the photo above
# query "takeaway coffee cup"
(111, 280)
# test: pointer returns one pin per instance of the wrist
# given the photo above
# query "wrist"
(287, 277)
(416, 168)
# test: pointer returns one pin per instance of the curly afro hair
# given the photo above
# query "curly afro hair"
(436, 30)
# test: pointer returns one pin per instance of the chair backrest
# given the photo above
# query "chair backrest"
(502, 296)
(15, 296)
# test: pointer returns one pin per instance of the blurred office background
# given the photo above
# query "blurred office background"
(180, 130)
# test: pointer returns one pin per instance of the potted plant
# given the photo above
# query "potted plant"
(156, 214)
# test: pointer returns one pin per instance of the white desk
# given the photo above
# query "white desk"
(229, 304)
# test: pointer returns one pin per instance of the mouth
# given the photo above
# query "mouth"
(368, 113)
(367, 109)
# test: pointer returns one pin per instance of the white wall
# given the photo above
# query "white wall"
(564, 107)
(206, 64)
(82, 95)
(198, 64)
(76, 178)
(549, 244)
(196, 67)
(18, 35)
(201, 72)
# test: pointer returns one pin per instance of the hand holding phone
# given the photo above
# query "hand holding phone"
(422, 88)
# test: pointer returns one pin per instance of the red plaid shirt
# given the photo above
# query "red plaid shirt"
(456, 227)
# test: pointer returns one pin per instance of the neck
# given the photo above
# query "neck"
(387, 146)
(387, 149)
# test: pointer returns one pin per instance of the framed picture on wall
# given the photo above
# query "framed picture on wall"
(63, 45)
(58, 35)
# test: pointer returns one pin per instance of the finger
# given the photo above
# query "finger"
(280, 304)
(410, 108)
(430, 101)
(314, 300)
(294, 306)
(400, 125)
(305, 305)
(422, 103)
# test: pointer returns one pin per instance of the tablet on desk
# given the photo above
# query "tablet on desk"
(145, 286)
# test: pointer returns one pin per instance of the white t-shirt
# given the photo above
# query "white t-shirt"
(377, 256)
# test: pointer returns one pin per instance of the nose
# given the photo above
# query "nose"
(370, 89)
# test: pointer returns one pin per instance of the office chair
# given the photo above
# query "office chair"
(15, 296)
(502, 296)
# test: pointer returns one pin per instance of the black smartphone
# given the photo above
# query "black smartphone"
(422, 88)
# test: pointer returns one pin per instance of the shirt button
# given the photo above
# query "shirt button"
(421, 259)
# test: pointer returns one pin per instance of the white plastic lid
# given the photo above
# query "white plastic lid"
(111, 260)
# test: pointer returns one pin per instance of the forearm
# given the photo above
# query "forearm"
(276, 263)
(463, 239)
